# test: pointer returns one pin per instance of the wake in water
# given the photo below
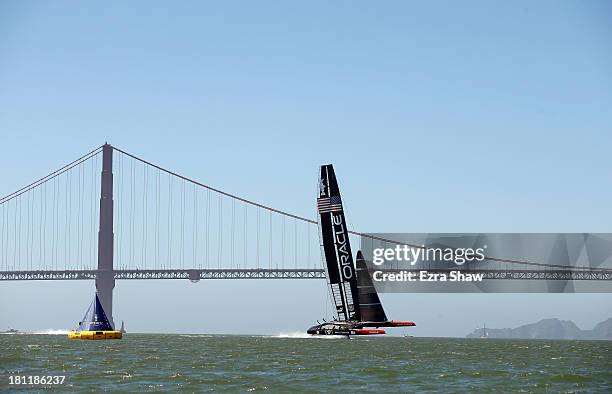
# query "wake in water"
(302, 335)
(50, 332)
(43, 332)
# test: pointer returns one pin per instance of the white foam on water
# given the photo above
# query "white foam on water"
(302, 335)
(50, 332)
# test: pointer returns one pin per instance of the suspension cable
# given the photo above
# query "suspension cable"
(51, 175)
(217, 190)
(360, 234)
(68, 220)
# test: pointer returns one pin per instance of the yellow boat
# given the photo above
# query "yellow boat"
(95, 325)
(93, 335)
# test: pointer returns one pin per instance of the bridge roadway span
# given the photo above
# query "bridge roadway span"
(304, 273)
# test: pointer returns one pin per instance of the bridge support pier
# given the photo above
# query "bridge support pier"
(105, 281)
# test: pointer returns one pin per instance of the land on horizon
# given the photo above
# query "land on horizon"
(548, 329)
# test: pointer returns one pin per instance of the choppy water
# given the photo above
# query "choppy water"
(196, 363)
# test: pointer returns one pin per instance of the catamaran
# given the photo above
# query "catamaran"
(358, 307)
(95, 324)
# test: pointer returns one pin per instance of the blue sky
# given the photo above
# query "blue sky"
(460, 117)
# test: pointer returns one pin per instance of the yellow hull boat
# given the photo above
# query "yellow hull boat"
(95, 335)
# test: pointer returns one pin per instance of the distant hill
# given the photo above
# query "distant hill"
(549, 329)
(602, 331)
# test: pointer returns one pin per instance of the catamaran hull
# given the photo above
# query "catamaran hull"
(342, 329)
(95, 335)
(345, 333)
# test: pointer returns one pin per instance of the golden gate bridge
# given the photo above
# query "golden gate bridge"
(111, 215)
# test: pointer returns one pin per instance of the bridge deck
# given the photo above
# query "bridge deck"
(306, 273)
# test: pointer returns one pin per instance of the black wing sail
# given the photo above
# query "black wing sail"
(370, 307)
(340, 269)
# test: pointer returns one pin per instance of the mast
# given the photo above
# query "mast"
(340, 269)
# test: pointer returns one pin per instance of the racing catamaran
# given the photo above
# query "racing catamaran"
(358, 307)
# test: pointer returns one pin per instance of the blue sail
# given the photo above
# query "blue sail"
(95, 318)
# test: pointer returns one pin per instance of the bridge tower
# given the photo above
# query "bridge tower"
(105, 281)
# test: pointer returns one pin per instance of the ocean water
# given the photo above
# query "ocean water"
(290, 363)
